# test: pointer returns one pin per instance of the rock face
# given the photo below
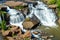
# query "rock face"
(52, 6)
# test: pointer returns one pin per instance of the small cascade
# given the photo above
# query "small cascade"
(16, 17)
(46, 16)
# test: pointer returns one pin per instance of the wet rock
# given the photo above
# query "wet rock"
(58, 20)
(35, 33)
(25, 11)
(31, 23)
(10, 38)
(28, 24)
(13, 29)
(44, 37)
(19, 38)
(17, 32)
(27, 35)
(5, 33)
(49, 39)
(52, 6)
(51, 36)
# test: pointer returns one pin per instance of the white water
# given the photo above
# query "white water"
(17, 19)
(46, 16)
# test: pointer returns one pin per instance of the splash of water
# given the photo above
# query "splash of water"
(46, 16)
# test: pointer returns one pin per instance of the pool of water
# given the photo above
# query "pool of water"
(53, 31)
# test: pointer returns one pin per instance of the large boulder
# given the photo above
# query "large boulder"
(31, 23)
(28, 24)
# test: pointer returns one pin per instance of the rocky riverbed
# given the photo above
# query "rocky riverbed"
(47, 33)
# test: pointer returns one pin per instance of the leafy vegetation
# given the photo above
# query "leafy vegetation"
(3, 23)
(58, 4)
(51, 2)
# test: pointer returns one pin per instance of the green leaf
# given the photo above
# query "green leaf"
(3, 25)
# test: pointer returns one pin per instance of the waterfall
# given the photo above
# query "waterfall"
(46, 16)
(41, 11)
(16, 17)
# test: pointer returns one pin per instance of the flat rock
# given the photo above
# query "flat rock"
(31, 23)
(28, 24)
(35, 33)
(13, 3)
(44, 37)
(52, 6)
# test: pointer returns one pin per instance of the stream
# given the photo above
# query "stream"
(46, 16)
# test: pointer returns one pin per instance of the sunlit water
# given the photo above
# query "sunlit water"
(46, 16)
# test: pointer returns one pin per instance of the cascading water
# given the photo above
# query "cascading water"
(16, 17)
(43, 13)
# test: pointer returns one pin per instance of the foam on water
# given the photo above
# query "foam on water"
(46, 16)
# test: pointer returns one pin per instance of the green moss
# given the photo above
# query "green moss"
(58, 4)
(51, 2)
